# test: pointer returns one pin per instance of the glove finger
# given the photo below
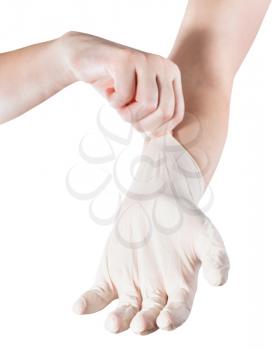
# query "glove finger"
(94, 299)
(211, 251)
(119, 319)
(144, 321)
(129, 303)
(176, 311)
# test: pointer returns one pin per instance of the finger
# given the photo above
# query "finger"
(164, 112)
(124, 87)
(179, 111)
(146, 97)
(119, 319)
(94, 299)
(144, 321)
(149, 123)
(129, 303)
(176, 311)
(211, 251)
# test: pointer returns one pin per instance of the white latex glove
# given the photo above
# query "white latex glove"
(153, 255)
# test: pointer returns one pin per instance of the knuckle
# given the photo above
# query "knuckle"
(70, 34)
(156, 59)
(178, 118)
(125, 58)
(172, 67)
(166, 117)
(141, 58)
(165, 113)
(127, 55)
(176, 69)
(158, 63)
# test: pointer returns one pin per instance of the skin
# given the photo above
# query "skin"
(145, 88)
(212, 42)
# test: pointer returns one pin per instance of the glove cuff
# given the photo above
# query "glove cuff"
(166, 166)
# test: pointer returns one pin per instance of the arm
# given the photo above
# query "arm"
(213, 40)
(136, 83)
(160, 239)
(29, 76)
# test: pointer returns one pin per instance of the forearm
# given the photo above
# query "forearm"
(29, 76)
(141, 86)
(204, 128)
(212, 42)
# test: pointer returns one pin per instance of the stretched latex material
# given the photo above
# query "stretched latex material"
(159, 241)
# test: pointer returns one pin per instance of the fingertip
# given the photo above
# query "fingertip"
(79, 306)
(112, 324)
(164, 321)
(216, 277)
(138, 324)
(94, 300)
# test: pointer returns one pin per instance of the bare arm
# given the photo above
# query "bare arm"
(29, 76)
(213, 40)
(138, 84)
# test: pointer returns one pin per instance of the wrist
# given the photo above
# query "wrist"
(63, 48)
(80, 53)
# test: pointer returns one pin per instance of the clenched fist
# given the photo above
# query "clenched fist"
(144, 88)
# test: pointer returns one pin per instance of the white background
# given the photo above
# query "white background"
(50, 248)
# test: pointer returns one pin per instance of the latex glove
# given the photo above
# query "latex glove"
(153, 255)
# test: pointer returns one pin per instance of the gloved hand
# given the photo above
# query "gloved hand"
(160, 239)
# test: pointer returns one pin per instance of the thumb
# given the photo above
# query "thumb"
(124, 88)
(211, 252)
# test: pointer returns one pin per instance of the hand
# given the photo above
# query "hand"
(144, 88)
(152, 258)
